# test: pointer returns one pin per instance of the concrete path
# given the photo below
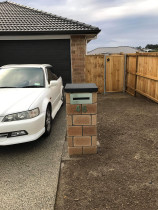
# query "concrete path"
(29, 172)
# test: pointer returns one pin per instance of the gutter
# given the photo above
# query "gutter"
(79, 32)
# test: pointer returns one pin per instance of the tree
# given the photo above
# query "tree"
(152, 46)
(139, 48)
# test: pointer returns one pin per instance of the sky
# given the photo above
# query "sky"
(122, 22)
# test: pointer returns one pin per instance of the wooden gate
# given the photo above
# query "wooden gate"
(114, 73)
(107, 72)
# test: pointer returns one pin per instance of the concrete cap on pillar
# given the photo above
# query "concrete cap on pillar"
(81, 88)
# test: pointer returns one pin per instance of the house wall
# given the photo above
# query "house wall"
(78, 52)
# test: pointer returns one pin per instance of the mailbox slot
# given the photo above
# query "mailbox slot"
(81, 98)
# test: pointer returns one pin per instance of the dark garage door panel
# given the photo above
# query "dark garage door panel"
(54, 52)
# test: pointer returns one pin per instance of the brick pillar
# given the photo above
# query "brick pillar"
(81, 126)
(78, 52)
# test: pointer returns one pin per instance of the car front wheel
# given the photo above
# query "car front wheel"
(48, 122)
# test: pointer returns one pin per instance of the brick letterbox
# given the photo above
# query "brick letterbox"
(81, 111)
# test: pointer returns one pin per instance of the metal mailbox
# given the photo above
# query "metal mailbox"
(81, 98)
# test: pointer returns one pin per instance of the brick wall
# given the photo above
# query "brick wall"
(82, 127)
(78, 52)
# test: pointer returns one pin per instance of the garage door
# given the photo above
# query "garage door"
(54, 52)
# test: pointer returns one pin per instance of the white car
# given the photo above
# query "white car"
(30, 97)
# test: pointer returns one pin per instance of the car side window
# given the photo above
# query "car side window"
(51, 75)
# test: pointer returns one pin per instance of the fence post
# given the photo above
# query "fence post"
(104, 74)
(136, 73)
(125, 64)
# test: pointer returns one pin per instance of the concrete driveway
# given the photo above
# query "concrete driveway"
(29, 172)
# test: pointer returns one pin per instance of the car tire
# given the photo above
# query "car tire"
(63, 97)
(48, 122)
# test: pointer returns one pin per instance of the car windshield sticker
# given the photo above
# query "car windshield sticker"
(37, 84)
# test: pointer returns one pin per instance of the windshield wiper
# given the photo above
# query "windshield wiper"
(33, 86)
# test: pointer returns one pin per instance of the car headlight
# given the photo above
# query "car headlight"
(22, 115)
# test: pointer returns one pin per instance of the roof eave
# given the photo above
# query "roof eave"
(50, 32)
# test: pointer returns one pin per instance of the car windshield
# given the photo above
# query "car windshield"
(21, 77)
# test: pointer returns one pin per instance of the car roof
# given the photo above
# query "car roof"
(27, 65)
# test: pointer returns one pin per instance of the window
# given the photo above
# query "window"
(51, 75)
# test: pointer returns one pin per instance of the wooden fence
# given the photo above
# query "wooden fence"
(108, 73)
(142, 74)
(94, 71)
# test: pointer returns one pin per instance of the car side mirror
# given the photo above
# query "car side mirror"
(53, 83)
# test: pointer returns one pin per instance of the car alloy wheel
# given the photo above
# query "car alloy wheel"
(48, 122)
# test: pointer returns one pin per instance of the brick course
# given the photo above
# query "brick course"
(82, 141)
(81, 120)
(68, 98)
(94, 119)
(75, 150)
(70, 141)
(94, 97)
(89, 150)
(72, 109)
(89, 130)
(94, 140)
(69, 120)
(90, 108)
(74, 131)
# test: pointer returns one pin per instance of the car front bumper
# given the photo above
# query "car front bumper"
(34, 127)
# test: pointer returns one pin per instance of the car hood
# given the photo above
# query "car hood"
(14, 100)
